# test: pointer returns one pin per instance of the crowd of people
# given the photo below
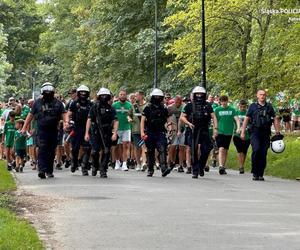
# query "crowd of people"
(130, 131)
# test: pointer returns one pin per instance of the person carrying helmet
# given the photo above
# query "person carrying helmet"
(78, 112)
(260, 115)
(197, 115)
(153, 132)
(47, 112)
(101, 130)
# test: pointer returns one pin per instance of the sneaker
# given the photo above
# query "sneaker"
(261, 178)
(50, 175)
(138, 167)
(17, 169)
(180, 169)
(85, 172)
(242, 170)
(9, 167)
(188, 170)
(94, 171)
(166, 172)
(58, 166)
(206, 169)
(195, 176)
(124, 166)
(222, 170)
(118, 165)
(68, 163)
(255, 178)
(73, 168)
(42, 175)
(144, 167)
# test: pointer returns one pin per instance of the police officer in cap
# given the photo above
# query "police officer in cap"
(153, 131)
(197, 115)
(78, 111)
(47, 111)
(101, 130)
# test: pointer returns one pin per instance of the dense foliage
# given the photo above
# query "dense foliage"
(111, 43)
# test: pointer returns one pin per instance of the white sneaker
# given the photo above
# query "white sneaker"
(138, 167)
(118, 165)
(124, 166)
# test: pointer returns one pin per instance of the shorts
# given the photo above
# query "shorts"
(135, 139)
(241, 145)
(223, 141)
(285, 114)
(124, 136)
(295, 117)
(21, 153)
(178, 140)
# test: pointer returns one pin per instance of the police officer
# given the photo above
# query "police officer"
(101, 130)
(78, 111)
(47, 111)
(153, 131)
(260, 115)
(197, 115)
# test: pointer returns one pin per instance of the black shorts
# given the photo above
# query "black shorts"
(285, 115)
(241, 145)
(223, 141)
(21, 153)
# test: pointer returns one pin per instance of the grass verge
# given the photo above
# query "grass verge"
(284, 165)
(15, 233)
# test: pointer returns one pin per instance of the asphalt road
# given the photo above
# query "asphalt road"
(130, 211)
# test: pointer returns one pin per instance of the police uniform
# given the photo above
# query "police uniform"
(102, 116)
(261, 118)
(47, 116)
(156, 117)
(80, 111)
(199, 114)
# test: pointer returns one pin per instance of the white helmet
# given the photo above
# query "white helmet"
(199, 89)
(83, 88)
(157, 92)
(277, 144)
(103, 91)
(47, 86)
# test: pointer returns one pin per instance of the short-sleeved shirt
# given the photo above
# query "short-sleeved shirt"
(202, 123)
(174, 114)
(122, 109)
(156, 118)
(25, 112)
(241, 115)
(136, 113)
(47, 115)
(253, 108)
(225, 117)
(20, 140)
(80, 112)
(9, 133)
(107, 115)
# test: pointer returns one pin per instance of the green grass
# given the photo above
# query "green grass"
(7, 182)
(15, 233)
(284, 165)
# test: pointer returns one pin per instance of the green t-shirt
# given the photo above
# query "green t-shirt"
(25, 112)
(225, 117)
(122, 110)
(242, 116)
(20, 140)
(214, 106)
(9, 133)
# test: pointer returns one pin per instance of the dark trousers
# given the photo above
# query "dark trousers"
(260, 142)
(156, 141)
(201, 138)
(77, 141)
(47, 143)
(97, 146)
